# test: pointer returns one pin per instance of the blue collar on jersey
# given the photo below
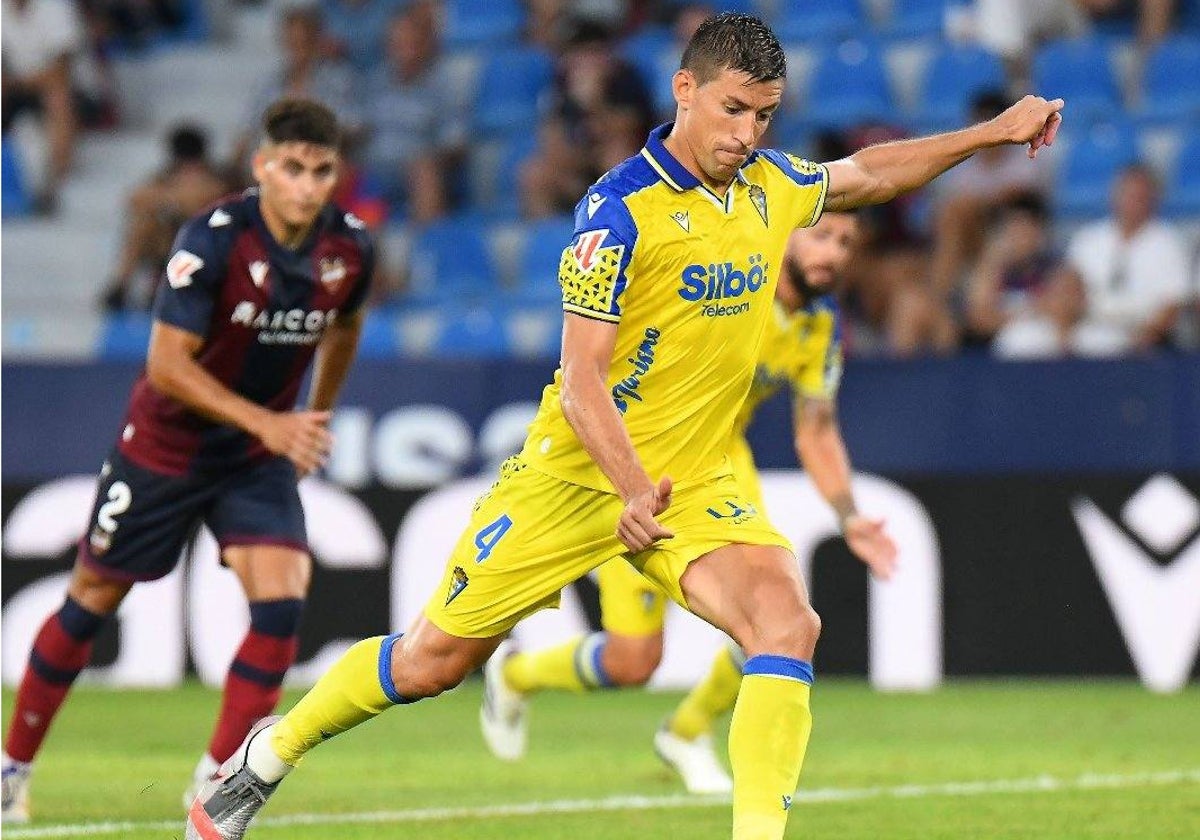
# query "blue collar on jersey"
(669, 168)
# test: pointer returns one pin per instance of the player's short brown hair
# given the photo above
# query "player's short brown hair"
(735, 42)
(301, 121)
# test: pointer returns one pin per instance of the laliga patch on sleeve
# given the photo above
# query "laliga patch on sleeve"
(589, 274)
(181, 267)
(804, 167)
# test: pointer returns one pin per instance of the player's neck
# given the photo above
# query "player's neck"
(285, 235)
(679, 149)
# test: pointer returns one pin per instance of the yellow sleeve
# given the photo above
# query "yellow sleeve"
(804, 183)
(594, 268)
(818, 370)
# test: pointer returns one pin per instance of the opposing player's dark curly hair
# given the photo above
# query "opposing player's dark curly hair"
(737, 42)
(301, 121)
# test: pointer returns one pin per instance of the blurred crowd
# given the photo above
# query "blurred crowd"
(979, 261)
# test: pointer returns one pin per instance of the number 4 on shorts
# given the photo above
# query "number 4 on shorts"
(489, 535)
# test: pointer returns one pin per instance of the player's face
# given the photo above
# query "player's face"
(822, 252)
(723, 119)
(296, 180)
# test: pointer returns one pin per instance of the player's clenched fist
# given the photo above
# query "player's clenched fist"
(299, 436)
(1032, 120)
(638, 529)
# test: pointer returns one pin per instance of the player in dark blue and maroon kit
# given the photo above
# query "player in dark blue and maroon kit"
(257, 286)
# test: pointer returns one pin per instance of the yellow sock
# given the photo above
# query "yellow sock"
(571, 666)
(357, 688)
(767, 739)
(709, 699)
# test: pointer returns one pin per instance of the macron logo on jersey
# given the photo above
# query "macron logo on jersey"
(219, 218)
(586, 245)
(181, 267)
(593, 203)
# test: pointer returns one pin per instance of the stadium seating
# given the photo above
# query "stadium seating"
(849, 86)
(378, 338)
(1080, 71)
(1183, 192)
(470, 332)
(798, 21)
(511, 82)
(1171, 81)
(450, 261)
(125, 336)
(952, 78)
(653, 54)
(15, 199)
(916, 18)
(470, 23)
(1094, 155)
(537, 276)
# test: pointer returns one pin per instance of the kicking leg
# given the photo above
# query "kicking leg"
(756, 595)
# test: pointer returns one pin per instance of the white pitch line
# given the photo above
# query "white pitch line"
(1089, 781)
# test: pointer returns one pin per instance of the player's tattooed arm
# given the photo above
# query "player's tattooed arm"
(587, 349)
(879, 173)
(822, 451)
(172, 369)
(334, 357)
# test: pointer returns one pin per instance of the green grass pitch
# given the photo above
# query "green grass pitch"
(1059, 760)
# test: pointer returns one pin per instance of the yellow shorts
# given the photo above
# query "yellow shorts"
(531, 534)
(630, 604)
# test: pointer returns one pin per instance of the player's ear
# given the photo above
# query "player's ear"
(259, 163)
(683, 85)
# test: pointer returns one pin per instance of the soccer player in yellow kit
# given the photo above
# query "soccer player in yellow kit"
(801, 350)
(667, 290)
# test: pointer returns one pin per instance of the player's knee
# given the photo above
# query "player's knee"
(418, 680)
(632, 671)
(96, 594)
(631, 661)
(795, 636)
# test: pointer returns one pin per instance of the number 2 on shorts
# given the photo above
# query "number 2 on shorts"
(489, 535)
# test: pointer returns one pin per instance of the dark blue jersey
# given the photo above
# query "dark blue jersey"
(261, 309)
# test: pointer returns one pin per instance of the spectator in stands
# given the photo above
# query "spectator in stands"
(1017, 267)
(42, 40)
(133, 22)
(305, 73)
(1133, 269)
(413, 131)
(356, 29)
(970, 192)
(600, 115)
(156, 209)
(1151, 19)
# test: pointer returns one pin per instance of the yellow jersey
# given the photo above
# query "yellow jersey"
(801, 350)
(688, 277)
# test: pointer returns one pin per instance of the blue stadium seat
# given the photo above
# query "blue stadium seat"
(653, 54)
(511, 81)
(378, 339)
(1078, 70)
(534, 330)
(471, 332)
(1183, 192)
(1171, 81)
(808, 21)
(517, 149)
(1095, 155)
(537, 277)
(916, 18)
(849, 87)
(450, 261)
(14, 197)
(953, 77)
(469, 23)
(125, 336)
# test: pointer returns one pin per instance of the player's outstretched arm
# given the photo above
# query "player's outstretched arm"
(334, 357)
(172, 369)
(587, 350)
(880, 173)
(822, 451)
